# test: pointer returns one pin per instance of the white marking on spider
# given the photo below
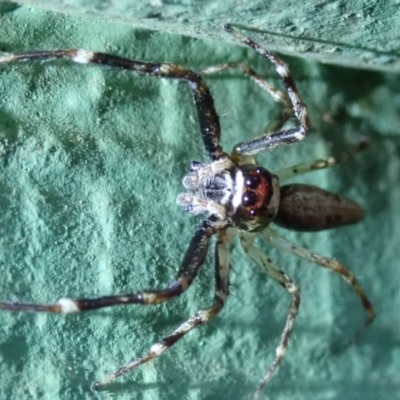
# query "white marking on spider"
(239, 184)
(157, 348)
(8, 58)
(68, 306)
(83, 56)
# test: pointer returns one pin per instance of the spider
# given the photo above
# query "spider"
(238, 196)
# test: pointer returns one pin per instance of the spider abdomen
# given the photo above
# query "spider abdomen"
(309, 208)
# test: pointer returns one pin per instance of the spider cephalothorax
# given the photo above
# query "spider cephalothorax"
(237, 196)
(245, 196)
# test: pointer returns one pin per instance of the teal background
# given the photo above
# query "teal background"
(363, 34)
(91, 161)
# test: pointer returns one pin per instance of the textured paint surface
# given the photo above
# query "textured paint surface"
(358, 33)
(90, 166)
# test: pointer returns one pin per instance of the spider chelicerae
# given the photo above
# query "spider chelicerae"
(238, 196)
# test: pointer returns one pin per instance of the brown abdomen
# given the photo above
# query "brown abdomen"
(309, 208)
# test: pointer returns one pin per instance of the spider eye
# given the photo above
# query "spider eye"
(252, 181)
(249, 199)
(253, 212)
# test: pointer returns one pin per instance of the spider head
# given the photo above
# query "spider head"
(246, 196)
(256, 201)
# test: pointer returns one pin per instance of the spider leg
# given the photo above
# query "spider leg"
(208, 117)
(270, 140)
(222, 267)
(277, 95)
(279, 276)
(328, 162)
(329, 263)
(192, 261)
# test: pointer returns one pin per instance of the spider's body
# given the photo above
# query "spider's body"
(249, 197)
(245, 196)
(237, 196)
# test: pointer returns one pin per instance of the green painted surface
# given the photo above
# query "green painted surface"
(358, 33)
(90, 165)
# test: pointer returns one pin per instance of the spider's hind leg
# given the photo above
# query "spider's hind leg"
(328, 263)
(322, 163)
(279, 276)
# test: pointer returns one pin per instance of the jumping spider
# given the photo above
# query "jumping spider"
(238, 197)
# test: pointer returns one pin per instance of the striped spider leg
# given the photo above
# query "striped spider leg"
(236, 194)
(292, 214)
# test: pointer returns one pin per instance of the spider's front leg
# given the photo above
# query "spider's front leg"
(222, 268)
(203, 100)
(277, 95)
(192, 261)
(270, 140)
